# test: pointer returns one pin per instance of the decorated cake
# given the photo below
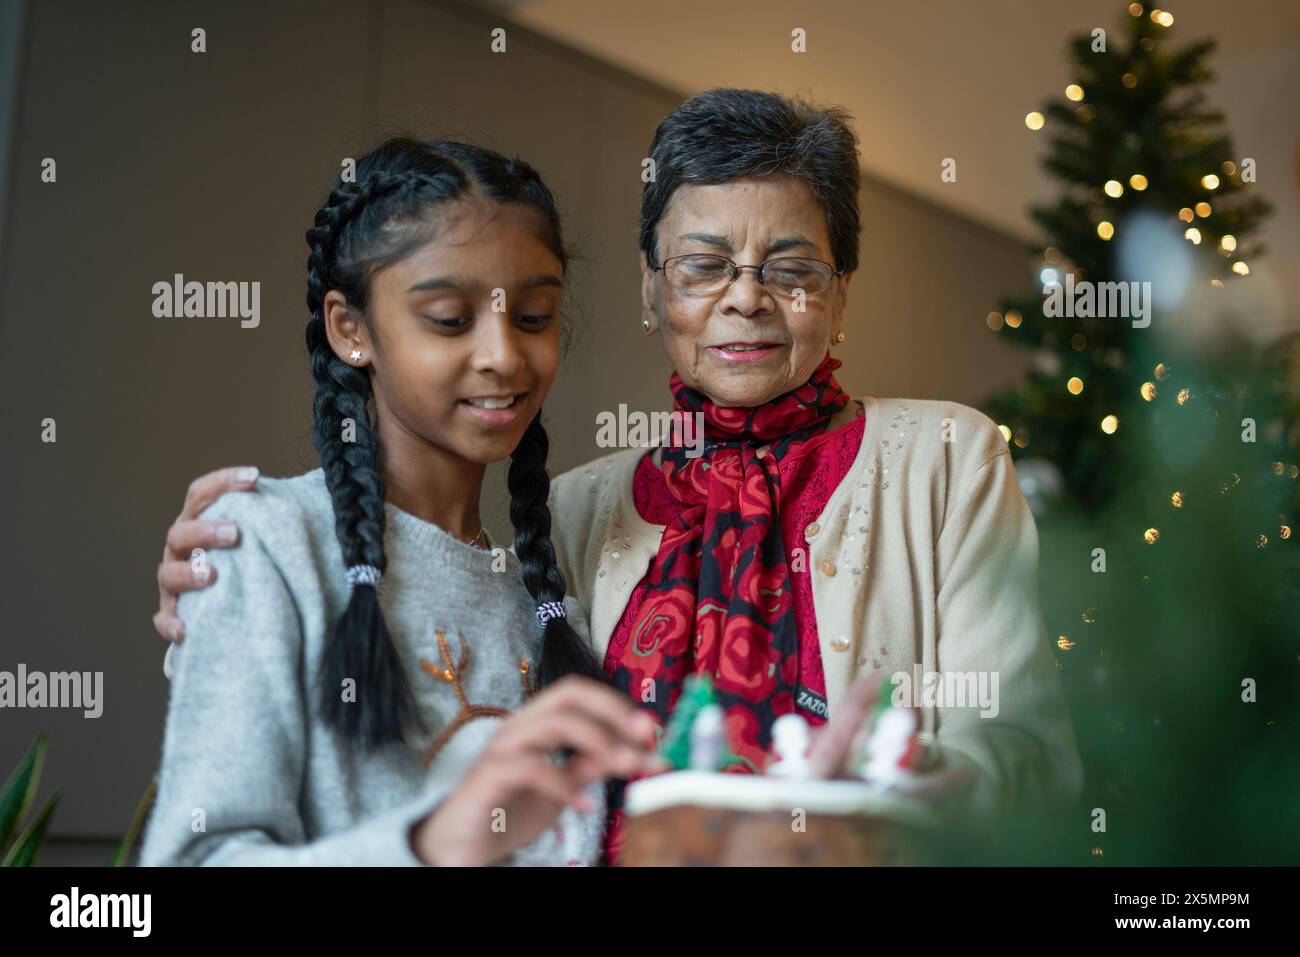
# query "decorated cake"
(695, 813)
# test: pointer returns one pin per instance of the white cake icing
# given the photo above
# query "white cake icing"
(751, 792)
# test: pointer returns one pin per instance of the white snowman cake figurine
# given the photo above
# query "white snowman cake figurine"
(708, 739)
(790, 741)
(893, 749)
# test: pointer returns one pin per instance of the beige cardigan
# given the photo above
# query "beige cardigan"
(925, 555)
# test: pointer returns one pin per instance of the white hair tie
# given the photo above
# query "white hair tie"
(365, 575)
(549, 610)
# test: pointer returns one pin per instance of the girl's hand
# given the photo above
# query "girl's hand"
(175, 573)
(515, 791)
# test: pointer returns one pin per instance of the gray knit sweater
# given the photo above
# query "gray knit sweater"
(250, 775)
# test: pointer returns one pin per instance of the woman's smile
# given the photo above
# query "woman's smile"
(745, 351)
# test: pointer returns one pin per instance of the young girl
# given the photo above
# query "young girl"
(368, 681)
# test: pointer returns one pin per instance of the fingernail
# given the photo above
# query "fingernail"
(201, 573)
(175, 631)
(226, 534)
(247, 474)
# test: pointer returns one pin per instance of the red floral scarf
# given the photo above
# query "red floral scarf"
(717, 598)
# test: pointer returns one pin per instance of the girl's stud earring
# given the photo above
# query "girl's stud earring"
(647, 326)
(839, 337)
(355, 355)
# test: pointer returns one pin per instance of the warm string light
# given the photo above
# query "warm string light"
(1227, 244)
(1114, 189)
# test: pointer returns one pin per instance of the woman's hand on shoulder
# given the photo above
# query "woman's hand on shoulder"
(516, 789)
(176, 573)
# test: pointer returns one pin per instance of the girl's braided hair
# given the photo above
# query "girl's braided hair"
(364, 225)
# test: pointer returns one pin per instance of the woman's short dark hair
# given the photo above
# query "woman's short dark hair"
(726, 134)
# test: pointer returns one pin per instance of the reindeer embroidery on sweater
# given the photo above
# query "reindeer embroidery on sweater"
(452, 675)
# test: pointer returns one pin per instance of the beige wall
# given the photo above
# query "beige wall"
(211, 165)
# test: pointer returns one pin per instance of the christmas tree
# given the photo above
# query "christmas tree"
(1156, 439)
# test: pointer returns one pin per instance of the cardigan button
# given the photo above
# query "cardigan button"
(840, 643)
(812, 529)
(826, 567)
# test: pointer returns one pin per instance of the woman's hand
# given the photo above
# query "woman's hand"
(175, 572)
(515, 791)
(948, 780)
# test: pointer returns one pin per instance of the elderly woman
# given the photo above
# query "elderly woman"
(819, 538)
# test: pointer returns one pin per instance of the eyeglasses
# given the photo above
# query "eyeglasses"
(704, 274)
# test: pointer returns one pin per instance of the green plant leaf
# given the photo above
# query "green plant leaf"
(19, 791)
(123, 852)
(30, 842)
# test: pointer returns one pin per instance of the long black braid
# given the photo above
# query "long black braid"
(563, 652)
(377, 221)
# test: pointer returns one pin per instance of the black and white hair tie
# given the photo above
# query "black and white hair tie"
(365, 575)
(549, 610)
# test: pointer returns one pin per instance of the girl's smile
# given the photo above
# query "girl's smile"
(495, 411)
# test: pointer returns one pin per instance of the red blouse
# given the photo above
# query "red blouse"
(809, 476)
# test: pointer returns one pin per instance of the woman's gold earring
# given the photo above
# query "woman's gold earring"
(839, 337)
(647, 326)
